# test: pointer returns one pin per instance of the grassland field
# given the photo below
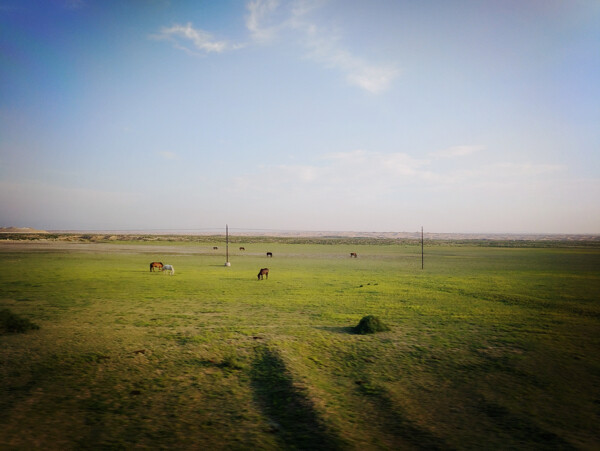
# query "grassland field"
(489, 347)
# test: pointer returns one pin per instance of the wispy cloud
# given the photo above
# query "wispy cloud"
(458, 151)
(525, 169)
(325, 48)
(500, 175)
(168, 155)
(365, 164)
(358, 173)
(194, 40)
(259, 20)
(370, 175)
(265, 21)
(268, 20)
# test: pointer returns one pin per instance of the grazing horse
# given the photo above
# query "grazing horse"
(242, 248)
(215, 248)
(353, 254)
(263, 272)
(269, 254)
(169, 268)
(158, 265)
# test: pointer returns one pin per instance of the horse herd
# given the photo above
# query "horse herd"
(159, 266)
(263, 273)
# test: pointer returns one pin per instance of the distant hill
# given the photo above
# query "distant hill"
(20, 230)
(186, 235)
(431, 235)
(271, 233)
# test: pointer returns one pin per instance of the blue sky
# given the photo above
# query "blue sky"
(459, 116)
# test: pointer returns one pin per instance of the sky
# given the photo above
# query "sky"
(458, 116)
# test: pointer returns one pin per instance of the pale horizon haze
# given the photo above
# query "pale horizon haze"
(458, 116)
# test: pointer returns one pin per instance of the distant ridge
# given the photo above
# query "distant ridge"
(20, 230)
(351, 234)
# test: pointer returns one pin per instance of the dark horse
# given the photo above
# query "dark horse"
(242, 248)
(353, 254)
(158, 265)
(269, 254)
(263, 272)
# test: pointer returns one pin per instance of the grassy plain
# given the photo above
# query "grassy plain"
(489, 347)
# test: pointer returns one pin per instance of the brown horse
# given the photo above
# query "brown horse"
(215, 248)
(263, 272)
(353, 254)
(158, 265)
(269, 254)
(242, 248)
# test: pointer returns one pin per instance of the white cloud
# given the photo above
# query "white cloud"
(371, 175)
(265, 21)
(259, 13)
(359, 174)
(525, 169)
(325, 49)
(372, 79)
(190, 39)
(458, 151)
(168, 155)
(361, 161)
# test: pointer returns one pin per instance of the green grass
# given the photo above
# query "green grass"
(488, 347)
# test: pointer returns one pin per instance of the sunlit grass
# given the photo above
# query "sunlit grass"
(494, 346)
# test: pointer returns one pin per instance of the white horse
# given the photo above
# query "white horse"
(169, 268)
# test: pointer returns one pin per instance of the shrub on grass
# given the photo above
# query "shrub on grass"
(369, 325)
(11, 323)
(231, 363)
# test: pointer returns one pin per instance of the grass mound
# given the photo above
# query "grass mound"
(11, 323)
(369, 325)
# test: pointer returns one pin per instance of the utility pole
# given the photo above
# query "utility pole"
(227, 245)
(422, 254)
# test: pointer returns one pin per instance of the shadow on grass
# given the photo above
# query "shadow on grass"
(338, 330)
(292, 416)
(394, 422)
(522, 429)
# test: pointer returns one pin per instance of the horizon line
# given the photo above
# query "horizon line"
(304, 232)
